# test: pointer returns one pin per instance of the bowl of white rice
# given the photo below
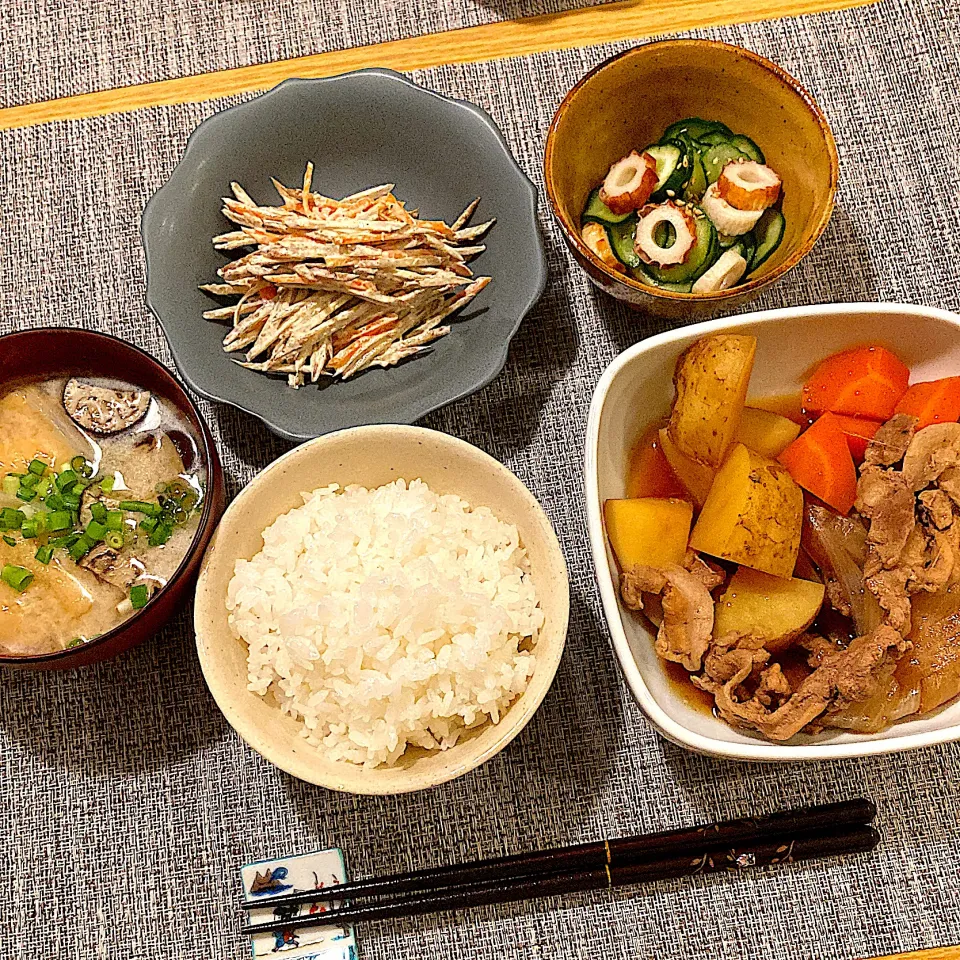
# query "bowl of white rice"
(382, 609)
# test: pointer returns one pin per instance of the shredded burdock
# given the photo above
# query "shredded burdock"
(334, 287)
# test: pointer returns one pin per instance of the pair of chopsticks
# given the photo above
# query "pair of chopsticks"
(823, 831)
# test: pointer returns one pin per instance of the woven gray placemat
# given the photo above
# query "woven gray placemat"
(130, 804)
(58, 48)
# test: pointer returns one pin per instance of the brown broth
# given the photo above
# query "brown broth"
(648, 473)
(679, 681)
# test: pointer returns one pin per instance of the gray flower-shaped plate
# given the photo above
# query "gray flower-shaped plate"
(359, 129)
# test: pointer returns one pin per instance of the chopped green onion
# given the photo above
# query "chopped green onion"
(70, 501)
(98, 511)
(45, 485)
(80, 466)
(114, 539)
(17, 577)
(107, 484)
(66, 479)
(9, 541)
(138, 596)
(80, 548)
(149, 524)
(54, 501)
(37, 467)
(75, 642)
(11, 519)
(140, 506)
(29, 480)
(114, 520)
(26, 494)
(11, 484)
(160, 535)
(44, 554)
(29, 528)
(95, 531)
(59, 520)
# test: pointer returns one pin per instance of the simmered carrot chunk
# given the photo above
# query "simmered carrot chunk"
(936, 401)
(819, 460)
(864, 382)
(859, 433)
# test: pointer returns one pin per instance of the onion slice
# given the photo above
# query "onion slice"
(832, 542)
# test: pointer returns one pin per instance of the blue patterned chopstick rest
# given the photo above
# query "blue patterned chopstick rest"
(285, 875)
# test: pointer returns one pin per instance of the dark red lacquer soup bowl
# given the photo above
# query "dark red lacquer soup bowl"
(36, 357)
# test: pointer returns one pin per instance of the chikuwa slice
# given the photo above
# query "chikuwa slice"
(748, 185)
(726, 218)
(726, 272)
(629, 182)
(595, 237)
(656, 243)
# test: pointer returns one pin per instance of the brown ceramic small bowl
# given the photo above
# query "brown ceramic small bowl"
(59, 351)
(628, 101)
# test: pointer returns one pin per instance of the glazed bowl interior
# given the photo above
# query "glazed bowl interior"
(636, 390)
(627, 103)
(372, 456)
(41, 354)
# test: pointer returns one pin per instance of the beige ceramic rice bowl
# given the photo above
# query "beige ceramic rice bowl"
(370, 457)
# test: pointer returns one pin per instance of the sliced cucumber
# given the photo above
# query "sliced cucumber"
(746, 246)
(697, 184)
(769, 233)
(717, 157)
(644, 277)
(747, 147)
(673, 169)
(596, 211)
(704, 253)
(693, 128)
(715, 137)
(621, 240)
(726, 241)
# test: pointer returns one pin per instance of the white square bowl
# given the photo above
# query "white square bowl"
(637, 388)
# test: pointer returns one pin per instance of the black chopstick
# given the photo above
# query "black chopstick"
(786, 849)
(595, 855)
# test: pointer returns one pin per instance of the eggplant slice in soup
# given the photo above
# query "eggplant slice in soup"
(103, 410)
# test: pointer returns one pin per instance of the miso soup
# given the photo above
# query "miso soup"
(101, 489)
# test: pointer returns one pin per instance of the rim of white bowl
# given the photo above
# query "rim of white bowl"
(665, 725)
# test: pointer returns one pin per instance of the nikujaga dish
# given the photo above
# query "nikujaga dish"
(800, 557)
(695, 212)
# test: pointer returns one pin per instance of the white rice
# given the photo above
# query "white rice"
(387, 617)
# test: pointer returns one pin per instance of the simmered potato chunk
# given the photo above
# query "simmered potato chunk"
(776, 609)
(753, 515)
(648, 530)
(711, 381)
(697, 478)
(765, 432)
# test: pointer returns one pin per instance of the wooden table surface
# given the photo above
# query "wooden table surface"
(605, 23)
